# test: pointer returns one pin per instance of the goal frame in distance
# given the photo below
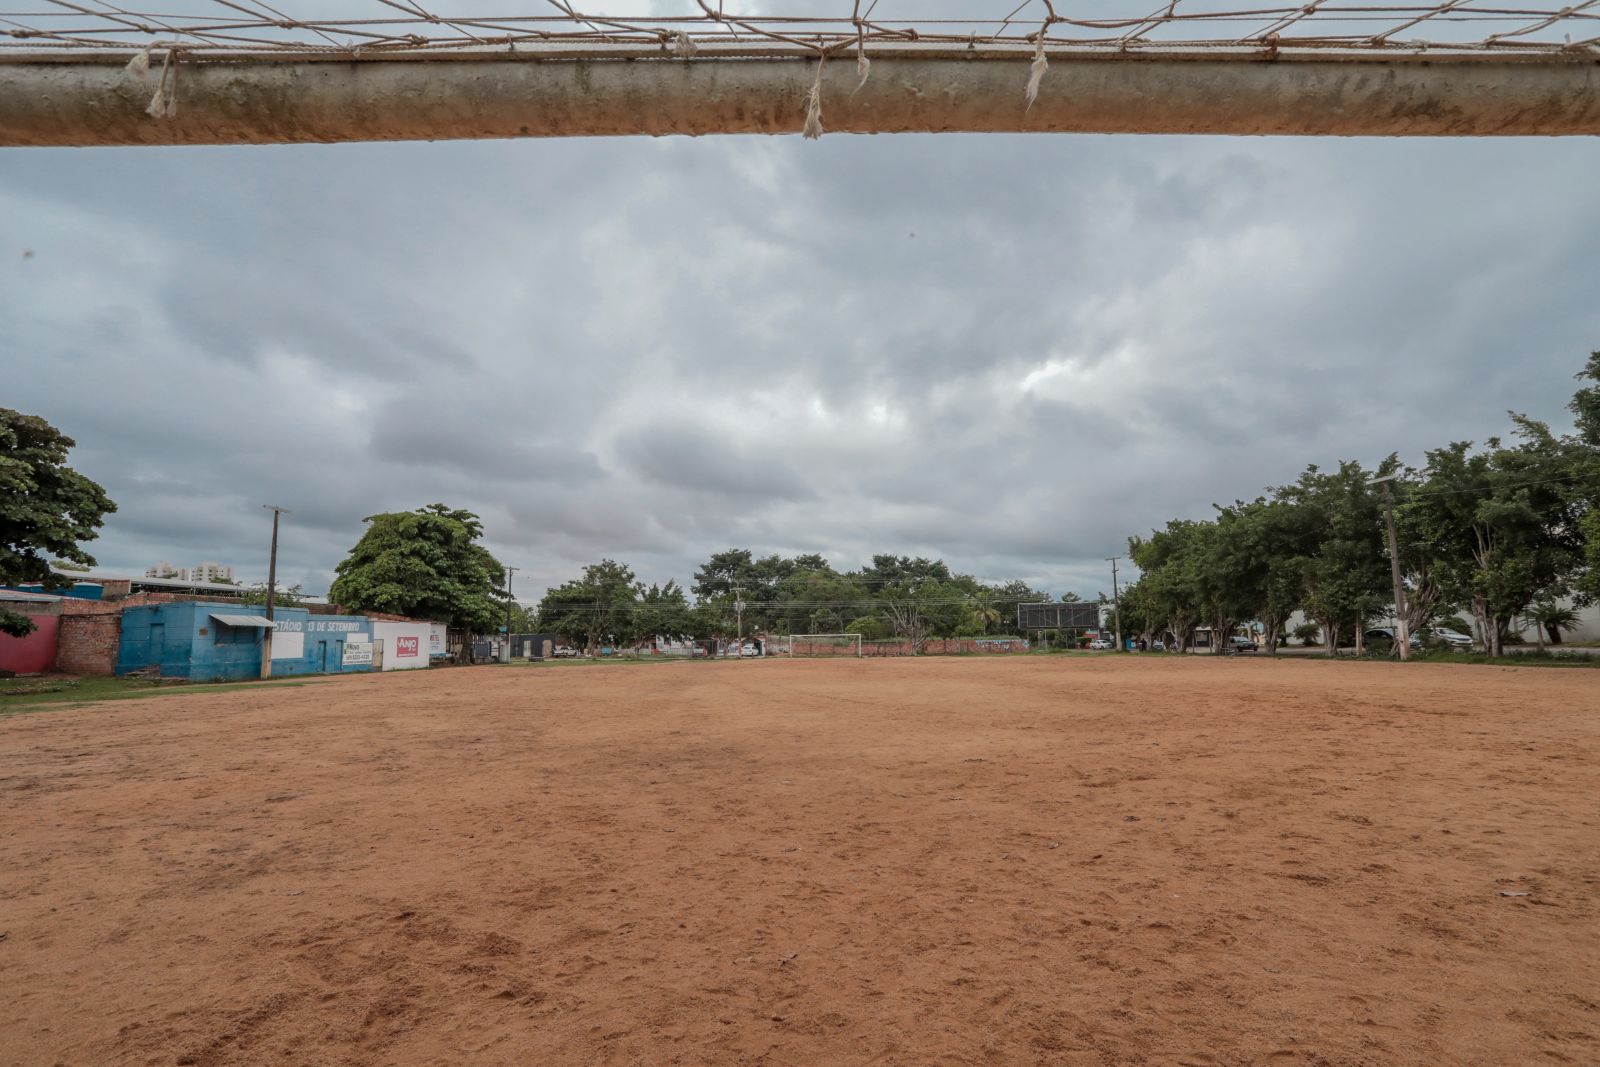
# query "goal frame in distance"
(807, 637)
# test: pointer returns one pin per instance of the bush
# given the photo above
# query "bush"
(1308, 633)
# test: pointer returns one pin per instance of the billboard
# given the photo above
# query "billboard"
(1078, 616)
(406, 646)
(358, 653)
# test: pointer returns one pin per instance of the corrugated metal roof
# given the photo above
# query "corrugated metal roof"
(243, 620)
(17, 594)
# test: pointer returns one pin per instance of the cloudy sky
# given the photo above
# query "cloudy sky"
(1011, 352)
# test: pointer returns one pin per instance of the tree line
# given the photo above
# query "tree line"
(1504, 531)
(736, 591)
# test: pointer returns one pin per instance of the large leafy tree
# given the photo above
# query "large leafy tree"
(46, 507)
(1583, 450)
(662, 611)
(425, 564)
(1169, 560)
(1346, 572)
(737, 575)
(599, 606)
(1502, 524)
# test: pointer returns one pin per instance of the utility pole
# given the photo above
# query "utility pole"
(1402, 635)
(509, 572)
(272, 588)
(738, 614)
(1116, 599)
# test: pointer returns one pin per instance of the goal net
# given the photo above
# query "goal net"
(825, 645)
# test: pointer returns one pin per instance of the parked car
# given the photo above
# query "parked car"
(1158, 646)
(1453, 638)
(1383, 637)
(563, 652)
(1242, 644)
(1100, 644)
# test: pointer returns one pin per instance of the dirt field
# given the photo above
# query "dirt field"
(1068, 860)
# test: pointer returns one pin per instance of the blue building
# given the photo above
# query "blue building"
(303, 643)
(223, 642)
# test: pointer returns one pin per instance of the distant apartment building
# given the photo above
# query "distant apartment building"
(209, 571)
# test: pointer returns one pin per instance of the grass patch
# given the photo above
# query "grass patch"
(25, 694)
(1520, 659)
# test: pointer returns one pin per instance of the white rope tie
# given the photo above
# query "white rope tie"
(1037, 69)
(164, 104)
(863, 64)
(683, 45)
(812, 130)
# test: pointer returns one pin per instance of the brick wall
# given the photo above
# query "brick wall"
(87, 642)
(72, 606)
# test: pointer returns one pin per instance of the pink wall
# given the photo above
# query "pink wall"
(34, 653)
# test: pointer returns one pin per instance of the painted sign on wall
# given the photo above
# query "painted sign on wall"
(406, 646)
(287, 643)
(358, 653)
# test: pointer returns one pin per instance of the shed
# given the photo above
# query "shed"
(33, 653)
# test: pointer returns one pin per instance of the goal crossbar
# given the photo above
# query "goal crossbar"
(845, 641)
(69, 99)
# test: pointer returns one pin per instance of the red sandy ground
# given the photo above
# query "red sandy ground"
(1067, 860)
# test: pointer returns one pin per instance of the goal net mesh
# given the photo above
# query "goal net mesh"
(823, 644)
(854, 30)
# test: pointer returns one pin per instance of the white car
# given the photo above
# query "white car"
(1100, 644)
(1453, 638)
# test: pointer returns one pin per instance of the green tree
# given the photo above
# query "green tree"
(1583, 450)
(596, 607)
(1503, 525)
(1168, 561)
(815, 598)
(257, 594)
(524, 620)
(424, 564)
(1547, 618)
(46, 507)
(663, 611)
(737, 574)
(1264, 550)
(1345, 571)
(919, 607)
(1308, 633)
(871, 628)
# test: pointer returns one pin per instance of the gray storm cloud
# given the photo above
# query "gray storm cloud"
(1012, 352)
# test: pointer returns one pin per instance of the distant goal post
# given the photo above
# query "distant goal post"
(824, 645)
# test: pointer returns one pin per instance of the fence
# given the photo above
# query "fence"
(948, 646)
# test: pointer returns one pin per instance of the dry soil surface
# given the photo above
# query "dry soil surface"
(1040, 860)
